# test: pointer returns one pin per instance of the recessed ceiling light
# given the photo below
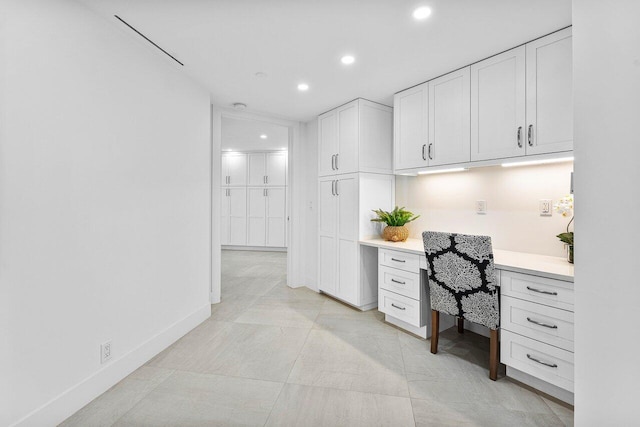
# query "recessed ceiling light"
(263, 136)
(303, 87)
(421, 13)
(348, 59)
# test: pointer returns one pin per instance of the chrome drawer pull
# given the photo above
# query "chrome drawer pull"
(398, 260)
(540, 291)
(398, 281)
(551, 365)
(399, 308)
(546, 325)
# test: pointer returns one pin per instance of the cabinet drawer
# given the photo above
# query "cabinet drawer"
(554, 293)
(543, 323)
(399, 281)
(406, 309)
(543, 361)
(401, 260)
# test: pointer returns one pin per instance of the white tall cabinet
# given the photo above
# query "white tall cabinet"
(254, 202)
(348, 191)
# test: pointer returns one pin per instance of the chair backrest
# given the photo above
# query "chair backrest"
(462, 278)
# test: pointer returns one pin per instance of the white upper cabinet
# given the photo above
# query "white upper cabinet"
(267, 168)
(411, 128)
(355, 137)
(450, 119)
(549, 94)
(498, 106)
(234, 169)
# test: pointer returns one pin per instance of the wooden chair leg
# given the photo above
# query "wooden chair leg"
(460, 325)
(493, 355)
(435, 330)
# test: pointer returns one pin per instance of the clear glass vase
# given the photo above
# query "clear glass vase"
(570, 253)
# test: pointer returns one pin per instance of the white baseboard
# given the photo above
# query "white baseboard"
(253, 248)
(70, 401)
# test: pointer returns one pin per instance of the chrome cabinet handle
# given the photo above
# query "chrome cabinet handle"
(551, 365)
(520, 136)
(424, 155)
(398, 281)
(337, 164)
(337, 188)
(398, 260)
(546, 325)
(399, 308)
(266, 179)
(541, 291)
(530, 136)
(333, 162)
(333, 191)
(430, 146)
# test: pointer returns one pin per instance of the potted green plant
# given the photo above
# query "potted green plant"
(565, 208)
(395, 231)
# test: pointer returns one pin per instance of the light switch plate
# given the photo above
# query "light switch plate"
(481, 207)
(545, 207)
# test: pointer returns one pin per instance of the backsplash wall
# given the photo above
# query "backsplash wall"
(446, 202)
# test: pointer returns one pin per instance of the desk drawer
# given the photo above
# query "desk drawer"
(400, 260)
(543, 323)
(399, 281)
(554, 293)
(406, 309)
(543, 361)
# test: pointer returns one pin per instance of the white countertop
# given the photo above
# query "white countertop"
(519, 262)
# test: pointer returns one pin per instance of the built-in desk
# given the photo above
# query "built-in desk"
(536, 309)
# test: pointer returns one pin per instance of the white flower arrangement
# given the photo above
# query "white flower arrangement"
(564, 206)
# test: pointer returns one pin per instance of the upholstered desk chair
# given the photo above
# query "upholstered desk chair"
(462, 283)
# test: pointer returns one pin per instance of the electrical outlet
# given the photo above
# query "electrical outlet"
(105, 352)
(481, 207)
(545, 207)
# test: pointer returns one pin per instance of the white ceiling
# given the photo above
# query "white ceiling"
(244, 135)
(223, 43)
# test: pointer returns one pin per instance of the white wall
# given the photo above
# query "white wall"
(310, 204)
(104, 206)
(606, 55)
(446, 202)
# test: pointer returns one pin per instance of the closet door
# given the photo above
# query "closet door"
(257, 202)
(348, 120)
(237, 216)
(327, 143)
(498, 106)
(236, 164)
(347, 234)
(256, 167)
(276, 169)
(276, 217)
(327, 242)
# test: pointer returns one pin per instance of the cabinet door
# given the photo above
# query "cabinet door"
(348, 121)
(498, 106)
(237, 216)
(327, 142)
(410, 128)
(348, 286)
(256, 230)
(276, 168)
(236, 168)
(256, 168)
(549, 94)
(450, 118)
(224, 216)
(327, 242)
(276, 217)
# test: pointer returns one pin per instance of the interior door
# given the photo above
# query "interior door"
(327, 244)
(327, 143)
(256, 168)
(276, 216)
(410, 109)
(256, 230)
(276, 169)
(237, 216)
(550, 94)
(348, 286)
(450, 118)
(498, 106)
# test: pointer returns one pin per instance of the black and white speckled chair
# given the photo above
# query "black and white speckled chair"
(462, 283)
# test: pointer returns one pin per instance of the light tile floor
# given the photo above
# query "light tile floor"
(271, 355)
